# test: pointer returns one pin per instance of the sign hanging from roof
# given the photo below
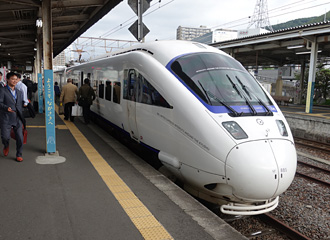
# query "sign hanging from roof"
(138, 29)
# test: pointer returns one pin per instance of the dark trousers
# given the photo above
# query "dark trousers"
(5, 137)
(68, 111)
(87, 112)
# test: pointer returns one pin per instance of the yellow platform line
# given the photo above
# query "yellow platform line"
(57, 126)
(141, 217)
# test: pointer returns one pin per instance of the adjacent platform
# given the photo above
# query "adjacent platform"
(100, 191)
(313, 126)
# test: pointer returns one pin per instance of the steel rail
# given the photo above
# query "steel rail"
(282, 227)
(313, 144)
(313, 178)
(315, 167)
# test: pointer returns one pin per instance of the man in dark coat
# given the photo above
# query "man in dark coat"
(86, 96)
(11, 106)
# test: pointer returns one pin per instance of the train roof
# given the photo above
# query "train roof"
(165, 51)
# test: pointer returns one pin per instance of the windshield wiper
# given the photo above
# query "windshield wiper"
(236, 114)
(205, 92)
(234, 86)
(254, 112)
(245, 88)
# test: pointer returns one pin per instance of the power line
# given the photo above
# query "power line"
(245, 19)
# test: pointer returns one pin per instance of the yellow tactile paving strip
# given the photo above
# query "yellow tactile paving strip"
(141, 217)
(57, 126)
(322, 115)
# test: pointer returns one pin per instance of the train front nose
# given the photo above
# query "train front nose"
(259, 170)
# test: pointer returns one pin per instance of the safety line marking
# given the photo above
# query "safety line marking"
(141, 217)
(57, 126)
(321, 115)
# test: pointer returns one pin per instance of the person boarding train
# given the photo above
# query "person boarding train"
(68, 98)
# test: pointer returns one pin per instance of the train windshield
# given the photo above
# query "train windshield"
(219, 80)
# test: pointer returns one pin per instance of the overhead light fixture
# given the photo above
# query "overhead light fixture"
(295, 46)
(298, 53)
(39, 22)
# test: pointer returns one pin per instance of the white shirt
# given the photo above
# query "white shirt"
(22, 87)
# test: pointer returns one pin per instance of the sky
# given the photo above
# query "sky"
(165, 16)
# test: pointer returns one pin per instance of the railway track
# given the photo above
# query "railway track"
(325, 147)
(312, 171)
(265, 226)
(282, 227)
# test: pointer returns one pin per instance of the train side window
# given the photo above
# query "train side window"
(108, 90)
(101, 89)
(116, 92)
(147, 94)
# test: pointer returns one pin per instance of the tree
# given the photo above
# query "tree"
(322, 81)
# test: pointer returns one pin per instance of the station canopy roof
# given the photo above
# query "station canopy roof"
(286, 46)
(18, 30)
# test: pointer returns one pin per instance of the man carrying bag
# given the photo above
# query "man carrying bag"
(86, 96)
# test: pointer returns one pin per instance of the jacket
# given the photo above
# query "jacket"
(87, 93)
(68, 94)
(7, 100)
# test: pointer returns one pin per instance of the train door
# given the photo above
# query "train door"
(131, 103)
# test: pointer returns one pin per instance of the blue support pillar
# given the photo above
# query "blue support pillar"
(50, 111)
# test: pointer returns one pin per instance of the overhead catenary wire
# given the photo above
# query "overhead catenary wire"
(230, 24)
(273, 10)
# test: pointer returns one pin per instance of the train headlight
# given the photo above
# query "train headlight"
(234, 129)
(282, 128)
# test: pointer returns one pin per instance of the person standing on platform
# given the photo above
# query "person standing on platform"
(86, 96)
(11, 105)
(57, 92)
(29, 84)
(23, 88)
(68, 98)
(2, 83)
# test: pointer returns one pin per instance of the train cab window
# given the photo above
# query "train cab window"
(217, 79)
(101, 89)
(140, 90)
(116, 92)
(147, 94)
(108, 89)
(129, 82)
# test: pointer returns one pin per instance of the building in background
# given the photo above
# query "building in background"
(250, 32)
(217, 35)
(59, 61)
(188, 33)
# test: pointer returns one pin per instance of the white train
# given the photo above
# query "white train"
(211, 123)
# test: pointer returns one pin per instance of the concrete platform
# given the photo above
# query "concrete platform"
(95, 188)
(313, 126)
